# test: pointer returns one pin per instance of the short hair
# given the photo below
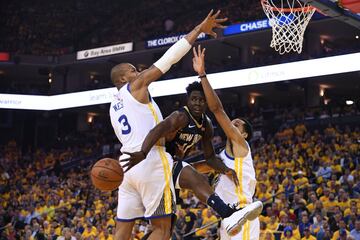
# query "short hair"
(248, 129)
(195, 86)
(117, 71)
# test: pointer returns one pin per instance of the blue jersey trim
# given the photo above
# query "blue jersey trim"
(128, 220)
(159, 216)
(228, 156)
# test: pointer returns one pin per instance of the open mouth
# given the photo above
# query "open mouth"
(196, 110)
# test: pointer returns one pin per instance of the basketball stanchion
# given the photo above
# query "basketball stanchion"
(301, 186)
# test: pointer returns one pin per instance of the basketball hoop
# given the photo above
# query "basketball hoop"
(288, 19)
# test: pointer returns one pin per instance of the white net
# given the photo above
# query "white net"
(288, 19)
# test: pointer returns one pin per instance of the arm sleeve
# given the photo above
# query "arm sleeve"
(173, 55)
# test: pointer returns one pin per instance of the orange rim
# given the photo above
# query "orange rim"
(300, 9)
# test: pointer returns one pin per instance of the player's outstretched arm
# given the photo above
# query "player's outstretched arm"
(211, 159)
(213, 101)
(179, 49)
(172, 123)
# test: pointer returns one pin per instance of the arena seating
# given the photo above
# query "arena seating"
(307, 172)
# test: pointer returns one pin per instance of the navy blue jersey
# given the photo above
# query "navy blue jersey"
(188, 136)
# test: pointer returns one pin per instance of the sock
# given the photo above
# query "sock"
(215, 202)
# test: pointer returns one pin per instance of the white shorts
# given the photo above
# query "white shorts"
(250, 231)
(144, 192)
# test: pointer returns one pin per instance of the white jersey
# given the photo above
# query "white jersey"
(132, 120)
(245, 171)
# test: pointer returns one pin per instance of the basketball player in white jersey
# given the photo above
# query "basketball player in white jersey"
(147, 189)
(236, 155)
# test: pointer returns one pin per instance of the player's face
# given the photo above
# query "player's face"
(197, 103)
(239, 124)
(131, 73)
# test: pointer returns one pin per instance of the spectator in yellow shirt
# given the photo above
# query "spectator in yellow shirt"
(90, 231)
(326, 193)
(301, 180)
(341, 232)
(106, 235)
(273, 224)
(331, 203)
(288, 234)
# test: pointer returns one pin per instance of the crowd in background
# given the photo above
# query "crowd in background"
(56, 28)
(308, 178)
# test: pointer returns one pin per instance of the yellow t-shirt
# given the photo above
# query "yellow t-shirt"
(89, 232)
(290, 238)
(310, 207)
(272, 226)
(264, 219)
(303, 181)
(324, 199)
(309, 238)
(337, 235)
(102, 237)
(58, 231)
(344, 205)
(329, 205)
(110, 222)
(296, 234)
(264, 196)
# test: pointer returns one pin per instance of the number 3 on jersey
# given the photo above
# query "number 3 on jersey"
(126, 129)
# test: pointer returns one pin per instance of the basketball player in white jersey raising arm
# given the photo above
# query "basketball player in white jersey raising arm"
(236, 155)
(147, 189)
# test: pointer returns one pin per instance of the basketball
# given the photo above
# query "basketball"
(107, 174)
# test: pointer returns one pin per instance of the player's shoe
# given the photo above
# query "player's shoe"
(233, 224)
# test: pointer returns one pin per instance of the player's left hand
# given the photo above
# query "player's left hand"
(230, 173)
(198, 60)
(134, 159)
(212, 21)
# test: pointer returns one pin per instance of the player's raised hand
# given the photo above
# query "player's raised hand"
(198, 60)
(210, 22)
(134, 159)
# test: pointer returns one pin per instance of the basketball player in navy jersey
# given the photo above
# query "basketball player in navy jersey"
(133, 114)
(185, 128)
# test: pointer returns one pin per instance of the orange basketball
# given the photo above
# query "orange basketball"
(107, 174)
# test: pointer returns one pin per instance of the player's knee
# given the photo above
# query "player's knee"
(191, 179)
(162, 228)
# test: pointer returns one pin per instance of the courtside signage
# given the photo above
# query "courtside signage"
(104, 51)
(238, 78)
(159, 42)
(247, 27)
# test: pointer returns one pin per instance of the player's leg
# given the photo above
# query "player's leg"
(157, 192)
(123, 230)
(189, 178)
(234, 220)
(161, 228)
(129, 209)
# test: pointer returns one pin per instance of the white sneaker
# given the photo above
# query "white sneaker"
(233, 224)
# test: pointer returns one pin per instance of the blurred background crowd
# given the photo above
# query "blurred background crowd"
(57, 28)
(307, 172)
(306, 147)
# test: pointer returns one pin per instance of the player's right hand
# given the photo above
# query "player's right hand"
(134, 159)
(211, 21)
(198, 60)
